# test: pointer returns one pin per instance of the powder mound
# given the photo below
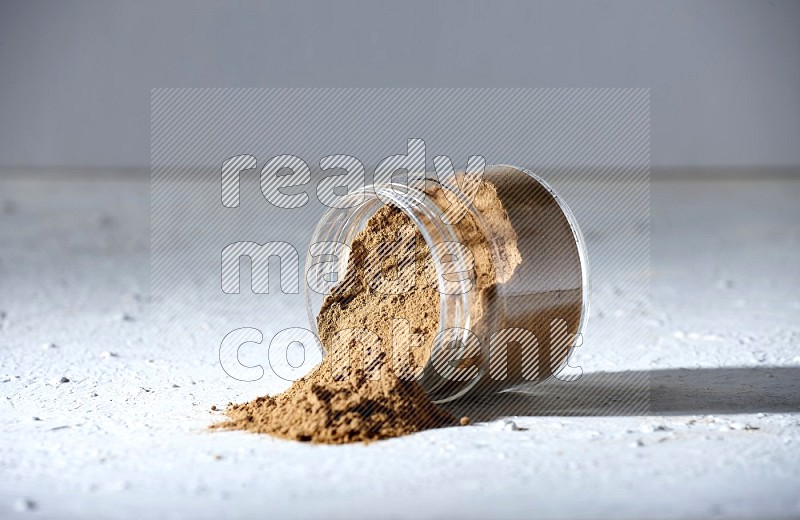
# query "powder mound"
(377, 327)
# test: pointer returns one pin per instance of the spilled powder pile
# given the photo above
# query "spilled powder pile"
(364, 389)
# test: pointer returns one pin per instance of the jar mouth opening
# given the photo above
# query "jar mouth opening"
(341, 224)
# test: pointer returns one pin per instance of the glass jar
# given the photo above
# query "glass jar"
(519, 311)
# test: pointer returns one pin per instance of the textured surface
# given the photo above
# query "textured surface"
(126, 436)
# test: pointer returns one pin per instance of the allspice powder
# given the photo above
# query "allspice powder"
(364, 390)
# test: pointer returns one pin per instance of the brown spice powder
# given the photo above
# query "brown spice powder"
(362, 390)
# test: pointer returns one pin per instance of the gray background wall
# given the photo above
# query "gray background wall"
(75, 76)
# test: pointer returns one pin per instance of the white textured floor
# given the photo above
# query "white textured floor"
(125, 436)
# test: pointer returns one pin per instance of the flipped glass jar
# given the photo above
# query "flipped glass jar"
(512, 308)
